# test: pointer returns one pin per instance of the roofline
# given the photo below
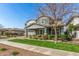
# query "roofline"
(29, 21)
(34, 24)
(15, 29)
(43, 16)
(37, 19)
(70, 19)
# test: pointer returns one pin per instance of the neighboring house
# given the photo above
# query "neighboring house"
(41, 26)
(13, 31)
(74, 19)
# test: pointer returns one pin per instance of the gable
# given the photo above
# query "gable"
(43, 20)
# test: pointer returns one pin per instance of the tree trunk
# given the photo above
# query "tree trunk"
(55, 34)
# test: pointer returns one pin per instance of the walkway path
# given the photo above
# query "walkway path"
(46, 51)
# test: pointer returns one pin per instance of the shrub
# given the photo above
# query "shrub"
(51, 36)
(3, 49)
(65, 37)
(14, 53)
(59, 36)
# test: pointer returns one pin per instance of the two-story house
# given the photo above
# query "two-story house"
(41, 26)
(74, 19)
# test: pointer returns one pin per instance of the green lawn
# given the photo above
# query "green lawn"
(59, 45)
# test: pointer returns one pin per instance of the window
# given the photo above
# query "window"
(42, 21)
(41, 31)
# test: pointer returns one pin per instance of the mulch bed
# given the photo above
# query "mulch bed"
(22, 52)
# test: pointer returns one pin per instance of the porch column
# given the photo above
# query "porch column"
(62, 30)
(42, 31)
(39, 31)
(26, 32)
(45, 31)
(59, 30)
(51, 31)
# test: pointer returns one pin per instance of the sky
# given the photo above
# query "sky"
(15, 15)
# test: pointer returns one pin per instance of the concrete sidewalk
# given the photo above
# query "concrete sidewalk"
(42, 50)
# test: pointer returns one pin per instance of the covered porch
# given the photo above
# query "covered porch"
(36, 30)
(39, 31)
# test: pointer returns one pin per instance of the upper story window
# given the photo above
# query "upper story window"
(44, 21)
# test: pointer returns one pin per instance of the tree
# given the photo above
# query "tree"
(71, 29)
(57, 11)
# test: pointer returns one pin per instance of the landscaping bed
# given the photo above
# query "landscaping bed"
(6, 50)
(58, 45)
